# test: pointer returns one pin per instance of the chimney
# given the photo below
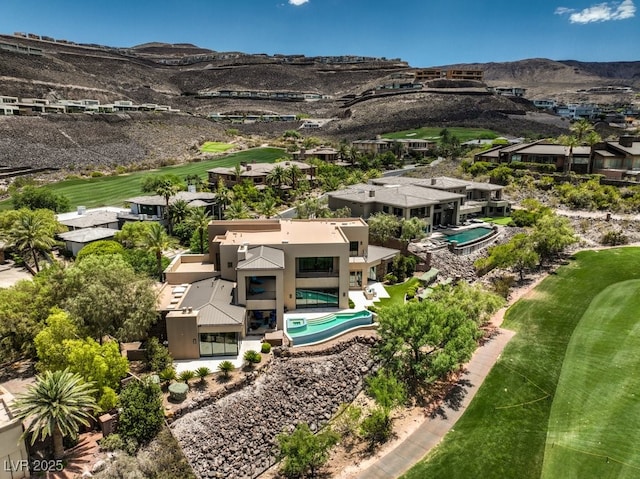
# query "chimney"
(248, 167)
(627, 141)
(242, 251)
(82, 210)
(372, 193)
(433, 181)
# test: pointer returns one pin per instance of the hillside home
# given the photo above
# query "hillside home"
(324, 153)
(75, 240)
(438, 201)
(12, 445)
(106, 217)
(152, 207)
(617, 159)
(257, 270)
(539, 152)
(401, 146)
(256, 173)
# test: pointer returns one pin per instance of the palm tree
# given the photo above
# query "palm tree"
(167, 189)
(31, 232)
(267, 207)
(178, 211)
(223, 197)
(199, 220)
(581, 129)
(277, 177)
(237, 210)
(237, 170)
(295, 174)
(158, 241)
(58, 403)
(195, 180)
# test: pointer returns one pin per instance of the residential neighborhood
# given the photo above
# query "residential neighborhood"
(322, 262)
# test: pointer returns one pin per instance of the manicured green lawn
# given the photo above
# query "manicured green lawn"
(463, 134)
(504, 432)
(499, 220)
(215, 147)
(596, 409)
(396, 293)
(113, 190)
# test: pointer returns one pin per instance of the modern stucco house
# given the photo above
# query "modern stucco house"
(257, 270)
(439, 201)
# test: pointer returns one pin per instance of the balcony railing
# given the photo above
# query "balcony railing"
(317, 274)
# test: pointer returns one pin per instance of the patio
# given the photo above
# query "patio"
(361, 301)
(248, 343)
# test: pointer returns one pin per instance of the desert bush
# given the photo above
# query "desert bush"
(225, 367)
(252, 357)
(614, 238)
(265, 348)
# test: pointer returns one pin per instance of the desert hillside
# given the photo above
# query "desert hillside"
(178, 75)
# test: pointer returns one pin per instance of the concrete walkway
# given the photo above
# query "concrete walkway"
(430, 433)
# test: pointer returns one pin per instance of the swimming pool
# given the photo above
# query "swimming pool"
(467, 236)
(303, 330)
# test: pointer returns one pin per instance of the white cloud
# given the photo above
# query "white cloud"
(297, 3)
(601, 12)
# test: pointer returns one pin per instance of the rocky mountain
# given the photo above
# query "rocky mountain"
(184, 76)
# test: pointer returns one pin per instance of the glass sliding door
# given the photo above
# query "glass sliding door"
(218, 344)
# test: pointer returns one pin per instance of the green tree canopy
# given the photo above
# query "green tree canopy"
(551, 235)
(106, 297)
(383, 227)
(423, 341)
(36, 198)
(100, 248)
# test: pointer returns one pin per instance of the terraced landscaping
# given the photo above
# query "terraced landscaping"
(113, 190)
(561, 401)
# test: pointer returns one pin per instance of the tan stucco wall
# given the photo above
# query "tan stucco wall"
(12, 449)
(182, 335)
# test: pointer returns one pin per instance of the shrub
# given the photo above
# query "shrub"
(351, 304)
(391, 278)
(376, 427)
(225, 367)
(252, 357)
(502, 285)
(96, 174)
(141, 416)
(186, 376)
(167, 374)
(614, 238)
(303, 451)
(202, 372)
(157, 357)
(115, 442)
(411, 291)
(265, 348)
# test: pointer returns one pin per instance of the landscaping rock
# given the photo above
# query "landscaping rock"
(235, 435)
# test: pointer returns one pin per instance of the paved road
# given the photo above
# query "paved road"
(417, 445)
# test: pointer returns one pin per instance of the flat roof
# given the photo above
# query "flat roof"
(405, 196)
(290, 231)
(259, 169)
(157, 200)
(555, 150)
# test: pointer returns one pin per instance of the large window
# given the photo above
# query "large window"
(353, 248)
(313, 266)
(316, 298)
(218, 344)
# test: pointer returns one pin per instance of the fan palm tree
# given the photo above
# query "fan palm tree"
(237, 171)
(31, 232)
(295, 174)
(237, 210)
(158, 241)
(178, 211)
(199, 220)
(58, 403)
(277, 176)
(167, 189)
(223, 197)
(267, 207)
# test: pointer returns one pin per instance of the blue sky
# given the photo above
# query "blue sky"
(422, 32)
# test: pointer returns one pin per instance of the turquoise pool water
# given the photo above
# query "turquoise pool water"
(310, 330)
(469, 235)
